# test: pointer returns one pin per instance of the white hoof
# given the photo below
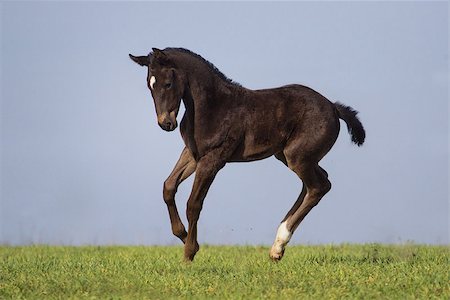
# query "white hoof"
(276, 254)
(281, 240)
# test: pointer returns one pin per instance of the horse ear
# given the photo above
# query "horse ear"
(140, 60)
(158, 52)
(161, 57)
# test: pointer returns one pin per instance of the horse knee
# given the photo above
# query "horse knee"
(169, 190)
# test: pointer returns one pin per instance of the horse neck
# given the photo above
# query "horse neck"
(205, 92)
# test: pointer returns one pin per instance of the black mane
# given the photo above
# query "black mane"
(213, 68)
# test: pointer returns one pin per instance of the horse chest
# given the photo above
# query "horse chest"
(187, 133)
(202, 139)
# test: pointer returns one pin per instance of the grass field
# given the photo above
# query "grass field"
(225, 272)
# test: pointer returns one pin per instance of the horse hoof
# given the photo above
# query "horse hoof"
(190, 251)
(276, 256)
(188, 259)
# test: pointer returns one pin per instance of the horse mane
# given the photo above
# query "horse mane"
(211, 66)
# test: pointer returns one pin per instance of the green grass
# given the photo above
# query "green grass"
(225, 272)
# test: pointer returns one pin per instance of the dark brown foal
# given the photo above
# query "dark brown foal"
(225, 122)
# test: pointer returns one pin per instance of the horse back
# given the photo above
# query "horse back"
(270, 118)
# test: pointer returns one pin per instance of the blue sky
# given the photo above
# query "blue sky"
(83, 159)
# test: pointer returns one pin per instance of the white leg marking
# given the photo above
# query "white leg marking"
(283, 234)
(152, 81)
(283, 237)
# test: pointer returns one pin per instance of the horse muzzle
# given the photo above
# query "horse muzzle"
(168, 121)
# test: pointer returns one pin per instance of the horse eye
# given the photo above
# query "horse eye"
(168, 85)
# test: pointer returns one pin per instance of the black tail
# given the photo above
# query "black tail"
(354, 126)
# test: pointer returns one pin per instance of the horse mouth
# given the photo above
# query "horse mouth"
(168, 121)
(169, 126)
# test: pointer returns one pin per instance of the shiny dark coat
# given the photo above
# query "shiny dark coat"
(225, 122)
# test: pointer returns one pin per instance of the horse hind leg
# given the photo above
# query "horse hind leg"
(280, 156)
(283, 235)
(315, 186)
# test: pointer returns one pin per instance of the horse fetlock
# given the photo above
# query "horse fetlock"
(277, 250)
(180, 232)
(190, 250)
(283, 237)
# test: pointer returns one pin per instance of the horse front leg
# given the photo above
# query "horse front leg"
(207, 168)
(183, 169)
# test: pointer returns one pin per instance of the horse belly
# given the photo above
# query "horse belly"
(256, 148)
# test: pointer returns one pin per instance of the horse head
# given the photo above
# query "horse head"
(166, 84)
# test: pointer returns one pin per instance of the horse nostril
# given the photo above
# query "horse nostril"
(168, 125)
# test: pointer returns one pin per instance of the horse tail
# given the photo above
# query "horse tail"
(354, 126)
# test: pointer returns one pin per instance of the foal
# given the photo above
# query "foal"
(225, 122)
